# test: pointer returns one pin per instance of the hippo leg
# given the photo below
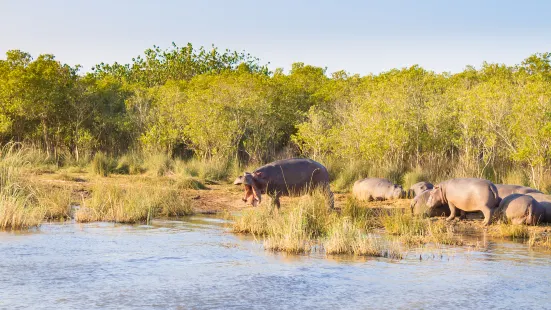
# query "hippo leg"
(463, 215)
(275, 200)
(487, 216)
(452, 212)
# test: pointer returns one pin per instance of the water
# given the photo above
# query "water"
(197, 263)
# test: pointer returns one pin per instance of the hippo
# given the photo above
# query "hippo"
(418, 188)
(376, 189)
(521, 209)
(288, 177)
(467, 195)
(545, 201)
(419, 206)
(505, 190)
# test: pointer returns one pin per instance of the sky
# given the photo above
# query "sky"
(356, 36)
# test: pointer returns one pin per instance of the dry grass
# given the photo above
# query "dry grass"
(114, 203)
(505, 230)
(346, 238)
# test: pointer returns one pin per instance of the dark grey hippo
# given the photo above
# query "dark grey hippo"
(288, 177)
(545, 201)
(505, 190)
(521, 209)
(419, 206)
(376, 189)
(418, 188)
(467, 195)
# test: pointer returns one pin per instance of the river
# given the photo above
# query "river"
(196, 263)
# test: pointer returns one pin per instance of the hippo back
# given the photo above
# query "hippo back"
(295, 175)
(470, 194)
(505, 190)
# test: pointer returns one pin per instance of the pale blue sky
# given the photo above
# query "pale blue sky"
(357, 36)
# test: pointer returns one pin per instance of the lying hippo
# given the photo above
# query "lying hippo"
(288, 177)
(521, 209)
(419, 206)
(505, 190)
(545, 202)
(418, 188)
(376, 189)
(466, 195)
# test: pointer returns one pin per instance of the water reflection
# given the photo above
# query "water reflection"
(197, 263)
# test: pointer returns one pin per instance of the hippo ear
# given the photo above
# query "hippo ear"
(238, 180)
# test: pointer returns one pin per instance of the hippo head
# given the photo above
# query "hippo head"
(436, 198)
(396, 192)
(255, 185)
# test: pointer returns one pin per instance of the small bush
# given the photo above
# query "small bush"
(130, 164)
(160, 164)
(102, 165)
(413, 177)
(344, 176)
(189, 183)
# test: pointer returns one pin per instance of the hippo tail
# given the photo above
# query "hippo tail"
(496, 195)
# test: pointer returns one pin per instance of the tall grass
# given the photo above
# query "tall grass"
(130, 205)
(18, 207)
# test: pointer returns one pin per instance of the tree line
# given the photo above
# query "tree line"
(227, 105)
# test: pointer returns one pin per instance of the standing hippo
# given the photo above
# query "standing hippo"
(288, 177)
(418, 188)
(545, 202)
(467, 195)
(505, 190)
(521, 209)
(376, 189)
(419, 206)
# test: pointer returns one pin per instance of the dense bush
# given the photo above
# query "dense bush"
(224, 107)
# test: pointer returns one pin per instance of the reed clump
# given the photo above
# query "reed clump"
(539, 240)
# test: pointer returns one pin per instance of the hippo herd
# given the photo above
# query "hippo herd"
(451, 198)
(517, 204)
